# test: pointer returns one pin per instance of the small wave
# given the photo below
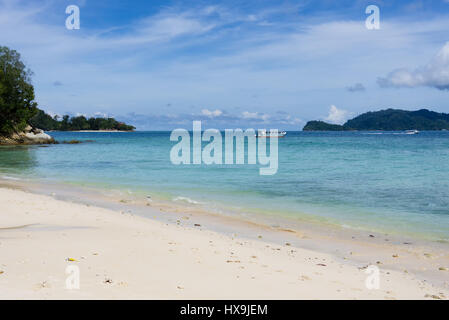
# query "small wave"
(185, 199)
(10, 178)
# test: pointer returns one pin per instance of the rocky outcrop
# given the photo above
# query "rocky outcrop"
(28, 136)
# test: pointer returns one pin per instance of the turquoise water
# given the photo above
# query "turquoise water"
(389, 182)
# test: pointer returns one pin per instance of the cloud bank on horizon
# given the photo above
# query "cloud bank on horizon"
(162, 64)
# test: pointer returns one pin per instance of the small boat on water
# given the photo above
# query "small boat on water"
(268, 134)
(411, 132)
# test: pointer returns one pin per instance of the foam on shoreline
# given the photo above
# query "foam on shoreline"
(355, 246)
(123, 255)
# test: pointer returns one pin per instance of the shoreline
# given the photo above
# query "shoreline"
(352, 251)
(212, 207)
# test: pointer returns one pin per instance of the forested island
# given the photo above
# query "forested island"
(44, 121)
(387, 120)
(21, 122)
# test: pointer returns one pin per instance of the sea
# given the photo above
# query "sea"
(376, 181)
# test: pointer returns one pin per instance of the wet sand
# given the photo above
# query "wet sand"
(122, 255)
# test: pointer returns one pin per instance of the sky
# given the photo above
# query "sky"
(159, 65)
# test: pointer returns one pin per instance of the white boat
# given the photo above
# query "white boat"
(411, 132)
(263, 133)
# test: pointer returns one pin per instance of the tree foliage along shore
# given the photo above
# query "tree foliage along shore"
(18, 108)
(17, 103)
(387, 120)
(45, 122)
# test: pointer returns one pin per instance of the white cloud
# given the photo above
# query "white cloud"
(434, 74)
(337, 116)
(166, 27)
(53, 114)
(356, 88)
(290, 120)
(224, 121)
(255, 116)
(100, 115)
(211, 114)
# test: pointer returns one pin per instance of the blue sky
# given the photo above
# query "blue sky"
(261, 64)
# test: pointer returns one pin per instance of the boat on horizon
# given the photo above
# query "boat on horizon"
(263, 133)
(411, 132)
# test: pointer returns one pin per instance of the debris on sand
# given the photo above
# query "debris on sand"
(43, 284)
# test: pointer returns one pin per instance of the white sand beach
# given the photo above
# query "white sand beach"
(124, 256)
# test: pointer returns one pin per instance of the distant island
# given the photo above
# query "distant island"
(387, 120)
(45, 122)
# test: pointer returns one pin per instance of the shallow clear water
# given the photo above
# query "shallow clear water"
(386, 182)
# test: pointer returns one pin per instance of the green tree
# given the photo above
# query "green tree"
(79, 123)
(65, 123)
(17, 103)
(44, 121)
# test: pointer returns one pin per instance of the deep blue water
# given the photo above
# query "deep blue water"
(387, 181)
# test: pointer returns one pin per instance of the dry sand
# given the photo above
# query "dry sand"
(124, 256)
